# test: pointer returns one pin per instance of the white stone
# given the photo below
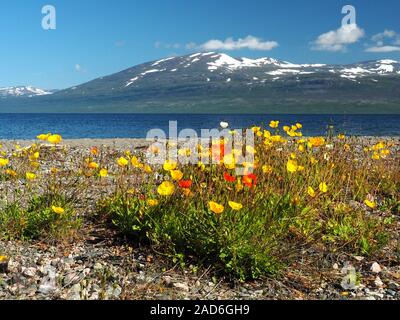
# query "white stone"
(376, 268)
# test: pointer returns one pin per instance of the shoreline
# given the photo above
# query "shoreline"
(142, 142)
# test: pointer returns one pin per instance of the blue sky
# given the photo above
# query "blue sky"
(98, 37)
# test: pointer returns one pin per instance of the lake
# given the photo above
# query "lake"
(74, 126)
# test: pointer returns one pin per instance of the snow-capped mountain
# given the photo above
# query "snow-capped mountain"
(223, 71)
(22, 91)
(216, 82)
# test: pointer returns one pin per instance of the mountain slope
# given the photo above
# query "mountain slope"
(212, 82)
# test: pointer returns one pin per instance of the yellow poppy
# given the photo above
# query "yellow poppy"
(267, 169)
(123, 162)
(34, 156)
(135, 162)
(147, 169)
(4, 162)
(30, 176)
(379, 146)
(43, 137)
(170, 165)
(166, 188)
(235, 206)
(216, 207)
(177, 175)
(385, 152)
(370, 204)
(316, 141)
(57, 210)
(103, 173)
(229, 161)
(313, 160)
(11, 172)
(323, 187)
(376, 156)
(54, 139)
(152, 202)
(292, 166)
(311, 192)
(274, 124)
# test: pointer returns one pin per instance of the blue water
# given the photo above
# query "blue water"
(72, 126)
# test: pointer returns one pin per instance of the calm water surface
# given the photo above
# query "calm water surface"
(73, 126)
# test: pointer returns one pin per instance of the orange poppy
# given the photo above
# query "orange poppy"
(250, 180)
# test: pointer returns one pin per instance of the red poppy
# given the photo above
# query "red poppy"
(250, 180)
(185, 184)
(229, 178)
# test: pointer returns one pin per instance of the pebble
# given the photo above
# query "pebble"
(72, 279)
(98, 266)
(29, 272)
(75, 292)
(167, 281)
(181, 286)
(393, 286)
(113, 292)
(376, 268)
(391, 292)
(378, 282)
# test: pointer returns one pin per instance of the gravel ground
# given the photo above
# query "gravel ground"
(100, 268)
(102, 265)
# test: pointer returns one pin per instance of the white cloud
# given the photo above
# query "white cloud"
(383, 35)
(384, 42)
(338, 40)
(383, 49)
(250, 42)
(78, 67)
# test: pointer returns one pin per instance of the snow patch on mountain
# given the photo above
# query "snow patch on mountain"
(23, 91)
(161, 61)
(280, 72)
